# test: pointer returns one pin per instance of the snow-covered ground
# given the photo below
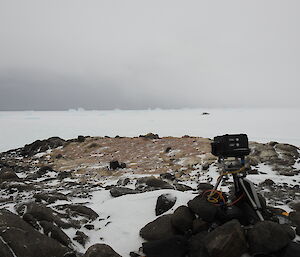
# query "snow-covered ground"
(121, 218)
(19, 128)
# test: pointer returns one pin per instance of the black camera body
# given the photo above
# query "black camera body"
(234, 145)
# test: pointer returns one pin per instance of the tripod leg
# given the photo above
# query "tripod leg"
(255, 203)
(215, 187)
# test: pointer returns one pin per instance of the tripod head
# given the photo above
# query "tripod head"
(231, 151)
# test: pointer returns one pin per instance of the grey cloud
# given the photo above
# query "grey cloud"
(145, 54)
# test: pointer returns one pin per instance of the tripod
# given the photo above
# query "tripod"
(242, 186)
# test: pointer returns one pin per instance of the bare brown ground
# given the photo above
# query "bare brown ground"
(141, 155)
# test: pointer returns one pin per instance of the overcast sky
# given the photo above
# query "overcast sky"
(138, 54)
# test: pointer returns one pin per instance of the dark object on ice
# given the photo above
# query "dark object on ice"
(164, 203)
(113, 165)
(176, 246)
(235, 145)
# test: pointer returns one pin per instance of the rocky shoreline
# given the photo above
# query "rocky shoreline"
(47, 188)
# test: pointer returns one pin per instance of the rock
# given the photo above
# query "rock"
(83, 211)
(160, 228)
(5, 250)
(227, 240)
(113, 165)
(80, 139)
(154, 183)
(182, 187)
(31, 220)
(205, 210)
(8, 174)
(81, 238)
(205, 166)
(267, 237)
(55, 233)
(64, 174)
(13, 186)
(164, 203)
(291, 250)
(288, 151)
(50, 197)
(295, 206)
(168, 149)
(176, 246)
(123, 181)
(295, 218)
(100, 250)
(89, 226)
(150, 136)
(24, 240)
(298, 230)
(197, 245)
(119, 191)
(267, 182)
(43, 170)
(43, 213)
(204, 186)
(199, 225)
(182, 219)
(42, 146)
(168, 176)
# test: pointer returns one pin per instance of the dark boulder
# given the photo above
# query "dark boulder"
(83, 211)
(81, 238)
(291, 250)
(205, 210)
(150, 136)
(267, 237)
(56, 233)
(43, 170)
(199, 225)
(197, 245)
(113, 165)
(227, 240)
(8, 174)
(153, 182)
(119, 191)
(100, 250)
(160, 228)
(50, 197)
(175, 246)
(43, 213)
(164, 203)
(182, 187)
(42, 146)
(295, 218)
(80, 139)
(182, 219)
(204, 187)
(24, 241)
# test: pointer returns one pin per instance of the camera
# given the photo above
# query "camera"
(234, 145)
